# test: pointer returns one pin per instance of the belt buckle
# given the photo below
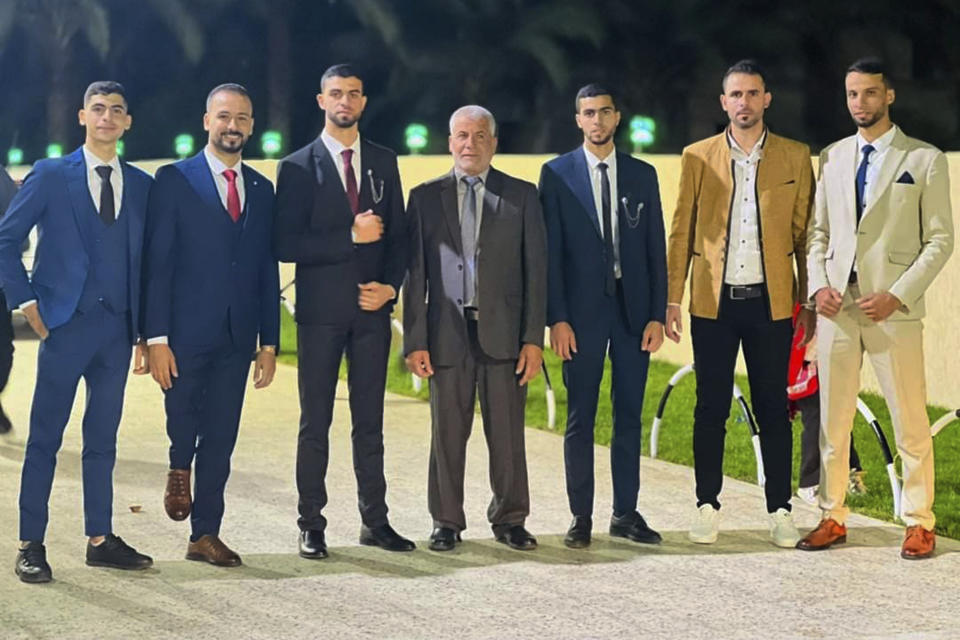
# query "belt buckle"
(733, 292)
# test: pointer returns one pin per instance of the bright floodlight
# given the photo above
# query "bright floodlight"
(642, 132)
(271, 142)
(54, 150)
(14, 156)
(183, 145)
(417, 137)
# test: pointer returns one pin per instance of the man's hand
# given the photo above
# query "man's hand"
(141, 359)
(36, 322)
(674, 322)
(418, 363)
(878, 306)
(563, 341)
(367, 227)
(828, 301)
(807, 324)
(529, 363)
(163, 366)
(652, 337)
(374, 295)
(264, 368)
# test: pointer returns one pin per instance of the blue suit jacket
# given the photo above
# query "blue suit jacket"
(576, 263)
(53, 197)
(200, 270)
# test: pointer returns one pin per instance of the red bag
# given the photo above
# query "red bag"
(802, 380)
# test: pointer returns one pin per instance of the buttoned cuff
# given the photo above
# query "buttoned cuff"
(24, 305)
(157, 340)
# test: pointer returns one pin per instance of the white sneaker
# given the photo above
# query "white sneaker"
(783, 532)
(810, 495)
(706, 526)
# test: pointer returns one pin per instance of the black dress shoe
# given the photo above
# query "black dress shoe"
(386, 538)
(578, 535)
(116, 554)
(633, 527)
(444, 539)
(32, 564)
(312, 545)
(516, 537)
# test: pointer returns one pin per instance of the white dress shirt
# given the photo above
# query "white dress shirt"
(744, 258)
(874, 161)
(596, 183)
(335, 148)
(217, 167)
(480, 190)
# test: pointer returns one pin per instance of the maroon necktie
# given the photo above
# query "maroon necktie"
(353, 194)
(233, 196)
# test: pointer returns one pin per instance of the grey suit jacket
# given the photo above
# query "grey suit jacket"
(511, 271)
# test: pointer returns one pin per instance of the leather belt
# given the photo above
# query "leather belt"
(744, 292)
(471, 313)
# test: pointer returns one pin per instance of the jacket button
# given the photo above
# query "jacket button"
(459, 267)
(459, 301)
(233, 264)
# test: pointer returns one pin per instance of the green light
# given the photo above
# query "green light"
(417, 137)
(183, 145)
(642, 132)
(14, 156)
(271, 142)
(54, 150)
(121, 147)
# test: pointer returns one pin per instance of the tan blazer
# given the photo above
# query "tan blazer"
(905, 235)
(701, 223)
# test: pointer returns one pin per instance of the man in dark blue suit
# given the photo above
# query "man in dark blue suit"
(82, 301)
(8, 189)
(607, 289)
(211, 289)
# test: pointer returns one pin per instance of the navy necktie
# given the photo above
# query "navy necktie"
(866, 150)
(107, 205)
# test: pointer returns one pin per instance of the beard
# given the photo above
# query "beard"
(230, 146)
(344, 121)
(748, 123)
(600, 139)
(870, 120)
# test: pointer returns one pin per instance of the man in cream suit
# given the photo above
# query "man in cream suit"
(882, 230)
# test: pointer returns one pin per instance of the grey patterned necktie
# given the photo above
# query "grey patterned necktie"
(468, 235)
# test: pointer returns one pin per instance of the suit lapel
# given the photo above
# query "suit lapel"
(451, 210)
(133, 215)
(251, 185)
(845, 159)
(199, 176)
(896, 154)
(578, 179)
(329, 178)
(491, 202)
(75, 169)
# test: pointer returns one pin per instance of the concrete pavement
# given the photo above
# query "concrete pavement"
(742, 587)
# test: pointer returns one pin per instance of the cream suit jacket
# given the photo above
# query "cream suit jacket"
(905, 234)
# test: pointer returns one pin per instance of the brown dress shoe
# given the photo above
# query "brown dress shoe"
(176, 499)
(210, 548)
(828, 533)
(918, 543)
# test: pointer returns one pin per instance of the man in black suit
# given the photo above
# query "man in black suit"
(340, 219)
(8, 188)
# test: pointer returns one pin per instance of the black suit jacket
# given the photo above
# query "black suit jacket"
(313, 223)
(511, 271)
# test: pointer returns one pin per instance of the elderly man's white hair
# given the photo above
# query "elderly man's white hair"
(474, 112)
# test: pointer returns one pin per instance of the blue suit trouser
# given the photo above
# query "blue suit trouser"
(94, 346)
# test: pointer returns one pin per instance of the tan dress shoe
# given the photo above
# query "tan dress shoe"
(210, 548)
(828, 533)
(176, 499)
(918, 543)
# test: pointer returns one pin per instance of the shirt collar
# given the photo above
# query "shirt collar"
(739, 153)
(217, 165)
(482, 175)
(593, 161)
(880, 144)
(335, 147)
(93, 161)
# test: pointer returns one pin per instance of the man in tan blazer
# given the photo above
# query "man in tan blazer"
(741, 220)
(882, 230)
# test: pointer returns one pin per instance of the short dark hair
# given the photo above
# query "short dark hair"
(104, 88)
(340, 71)
(872, 65)
(748, 66)
(230, 87)
(593, 90)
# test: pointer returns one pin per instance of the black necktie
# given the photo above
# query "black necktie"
(610, 279)
(107, 207)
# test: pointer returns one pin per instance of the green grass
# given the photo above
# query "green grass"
(676, 433)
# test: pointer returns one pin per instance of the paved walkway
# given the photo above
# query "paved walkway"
(742, 587)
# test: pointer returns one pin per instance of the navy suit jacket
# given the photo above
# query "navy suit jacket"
(53, 197)
(313, 227)
(576, 262)
(202, 271)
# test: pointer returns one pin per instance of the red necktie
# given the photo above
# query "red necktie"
(233, 196)
(353, 194)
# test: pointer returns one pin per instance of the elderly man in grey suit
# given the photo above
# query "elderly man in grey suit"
(882, 230)
(474, 308)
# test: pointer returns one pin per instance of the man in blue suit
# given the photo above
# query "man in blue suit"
(82, 301)
(607, 289)
(211, 289)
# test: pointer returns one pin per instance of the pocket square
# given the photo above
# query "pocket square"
(905, 178)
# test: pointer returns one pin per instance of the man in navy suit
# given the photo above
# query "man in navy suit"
(211, 289)
(82, 301)
(607, 288)
(8, 189)
(340, 218)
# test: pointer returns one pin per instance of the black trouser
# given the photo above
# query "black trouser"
(6, 342)
(809, 408)
(366, 342)
(766, 349)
